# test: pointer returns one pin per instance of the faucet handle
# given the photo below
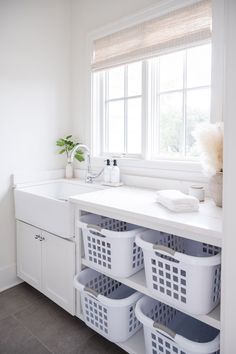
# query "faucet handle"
(89, 178)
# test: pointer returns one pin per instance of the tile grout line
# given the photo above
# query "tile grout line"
(13, 288)
(18, 310)
(43, 344)
(14, 314)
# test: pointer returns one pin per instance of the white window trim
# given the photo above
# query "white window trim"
(162, 168)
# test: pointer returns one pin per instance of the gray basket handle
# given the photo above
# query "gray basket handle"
(94, 227)
(161, 327)
(102, 232)
(165, 249)
(92, 292)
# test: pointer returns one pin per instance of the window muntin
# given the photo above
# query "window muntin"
(123, 110)
(169, 94)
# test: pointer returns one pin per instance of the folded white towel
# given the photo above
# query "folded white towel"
(177, 201)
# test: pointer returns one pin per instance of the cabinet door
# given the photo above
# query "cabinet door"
(29, 254)
(58, 270)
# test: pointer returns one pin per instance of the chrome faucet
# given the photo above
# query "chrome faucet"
(89, 177)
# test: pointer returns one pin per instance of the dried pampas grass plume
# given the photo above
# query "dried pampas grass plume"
(210, 138)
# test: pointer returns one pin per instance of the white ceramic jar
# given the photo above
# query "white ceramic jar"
(198, 192)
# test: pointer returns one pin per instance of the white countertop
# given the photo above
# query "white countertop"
(138, 206)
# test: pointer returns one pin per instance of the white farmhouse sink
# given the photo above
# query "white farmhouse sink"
(45, 205)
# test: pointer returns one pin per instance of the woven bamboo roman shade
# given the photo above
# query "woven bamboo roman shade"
(182, 27)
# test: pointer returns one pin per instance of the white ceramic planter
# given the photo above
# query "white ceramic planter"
(69, 170)
(216, 188)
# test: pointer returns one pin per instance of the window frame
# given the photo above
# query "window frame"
(185, 170)
(150, 109)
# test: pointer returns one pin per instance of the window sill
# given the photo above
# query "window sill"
(177, 170)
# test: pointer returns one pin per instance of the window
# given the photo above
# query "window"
(155, 104)
(152, 85)
(182, 99)
(123, 109)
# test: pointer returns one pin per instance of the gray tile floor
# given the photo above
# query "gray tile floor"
(32, 324)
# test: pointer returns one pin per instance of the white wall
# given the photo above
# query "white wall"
(35, 107)
(229, 227)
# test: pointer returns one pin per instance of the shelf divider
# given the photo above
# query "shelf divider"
(138, 282)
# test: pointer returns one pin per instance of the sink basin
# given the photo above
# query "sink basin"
(45, 205)
(60, 190)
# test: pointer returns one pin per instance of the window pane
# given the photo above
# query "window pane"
(199, 66)
(116, 126)
(116, 82)
(134, 126)
(171, 71)
(198, 111)
(134, 79)
(171, 124)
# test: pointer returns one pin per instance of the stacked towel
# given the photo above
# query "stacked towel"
(177, 201)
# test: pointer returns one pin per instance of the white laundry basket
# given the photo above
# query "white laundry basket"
(110, 246)
(185, 273)
(108, 306)
(169, 331)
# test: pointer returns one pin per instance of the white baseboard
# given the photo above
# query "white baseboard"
(8, 277)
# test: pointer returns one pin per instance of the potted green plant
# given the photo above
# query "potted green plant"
(66, 146)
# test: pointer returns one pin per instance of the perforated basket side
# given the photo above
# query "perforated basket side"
(166, 277)
(115, 323)
(103, 285)
(192, 288)
(166, 339)
(156, 343)
(175, 273)
(98, 250)
(216, 288)
(118, 256)
(95, 314)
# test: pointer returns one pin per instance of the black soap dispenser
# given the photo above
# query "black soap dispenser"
(115, 173)
(107, 172)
